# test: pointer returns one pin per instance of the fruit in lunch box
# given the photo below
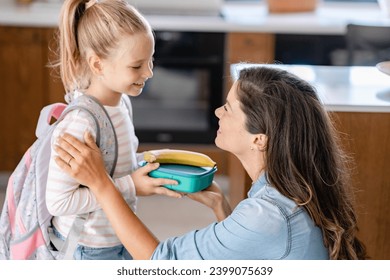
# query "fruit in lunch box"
(179, 157)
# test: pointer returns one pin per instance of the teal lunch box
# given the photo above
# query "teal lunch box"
(190, 178)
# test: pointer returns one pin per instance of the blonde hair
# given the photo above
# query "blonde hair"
(92, 25)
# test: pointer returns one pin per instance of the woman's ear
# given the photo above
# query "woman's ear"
(260, 142)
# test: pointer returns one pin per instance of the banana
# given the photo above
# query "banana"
(179, 157)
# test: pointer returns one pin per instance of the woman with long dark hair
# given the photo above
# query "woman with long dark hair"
(301, 202)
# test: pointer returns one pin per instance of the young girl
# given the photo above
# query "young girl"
(106, 50)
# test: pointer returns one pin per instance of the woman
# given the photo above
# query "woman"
(300, 205)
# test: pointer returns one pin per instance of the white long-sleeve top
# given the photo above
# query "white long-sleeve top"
(65, 199)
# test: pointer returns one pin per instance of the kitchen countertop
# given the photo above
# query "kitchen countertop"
(342, 88)
(329, 18)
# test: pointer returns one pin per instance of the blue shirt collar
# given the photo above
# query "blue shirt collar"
(260, 183)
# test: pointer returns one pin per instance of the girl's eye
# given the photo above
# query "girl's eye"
(136, 67)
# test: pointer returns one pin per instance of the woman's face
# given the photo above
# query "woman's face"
(232, 135)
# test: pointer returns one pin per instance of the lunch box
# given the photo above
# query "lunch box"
(190, 178)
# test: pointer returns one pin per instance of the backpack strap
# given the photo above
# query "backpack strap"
(105, 132)
(107, 142)
(47, 114)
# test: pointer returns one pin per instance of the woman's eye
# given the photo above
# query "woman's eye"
(136, 67)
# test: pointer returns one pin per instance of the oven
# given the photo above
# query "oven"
(177, 105)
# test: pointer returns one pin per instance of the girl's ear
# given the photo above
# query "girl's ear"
(260, 142)
(95, 63)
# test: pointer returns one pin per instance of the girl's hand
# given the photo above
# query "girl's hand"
(213, 198)
(146, 185)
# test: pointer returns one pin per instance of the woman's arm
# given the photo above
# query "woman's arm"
(135, 236)
(88, 168)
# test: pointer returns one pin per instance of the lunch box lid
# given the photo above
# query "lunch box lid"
(183, 170)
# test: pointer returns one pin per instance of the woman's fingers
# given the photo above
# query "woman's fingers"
(89, 141)
(63, 154)
(66, 147)
(71, 144)
(63, 165)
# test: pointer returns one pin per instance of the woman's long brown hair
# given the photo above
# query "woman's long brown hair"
(304, 160)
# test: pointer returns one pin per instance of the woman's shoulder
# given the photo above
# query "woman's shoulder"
(266, 205)
(262, 193)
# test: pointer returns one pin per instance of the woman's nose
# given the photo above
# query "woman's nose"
(217, 112)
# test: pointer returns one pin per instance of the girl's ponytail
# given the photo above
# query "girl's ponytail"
(69, 52)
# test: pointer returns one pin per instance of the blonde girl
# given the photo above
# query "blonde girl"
(106, 51)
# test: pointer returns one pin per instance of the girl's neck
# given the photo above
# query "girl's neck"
(105, 96)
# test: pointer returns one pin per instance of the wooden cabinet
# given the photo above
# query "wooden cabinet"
(248, 47)
(26, 88)
(366, 137)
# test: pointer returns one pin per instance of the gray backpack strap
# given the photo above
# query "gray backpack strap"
(107, 141)
(105, 132)
(70, 244)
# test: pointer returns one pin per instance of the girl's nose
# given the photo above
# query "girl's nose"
(149, 73)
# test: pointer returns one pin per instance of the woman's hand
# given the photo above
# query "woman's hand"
(213, 198)
(146, 185)
(83, 162)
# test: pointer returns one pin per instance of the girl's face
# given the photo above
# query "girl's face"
(232, 135)
(128, 68)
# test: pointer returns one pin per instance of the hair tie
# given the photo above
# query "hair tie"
(90, 3)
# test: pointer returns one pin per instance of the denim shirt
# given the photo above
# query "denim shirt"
(266, 225)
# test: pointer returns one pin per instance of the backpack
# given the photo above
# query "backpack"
(25, 222)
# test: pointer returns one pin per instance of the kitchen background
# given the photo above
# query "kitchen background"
(197, 41)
